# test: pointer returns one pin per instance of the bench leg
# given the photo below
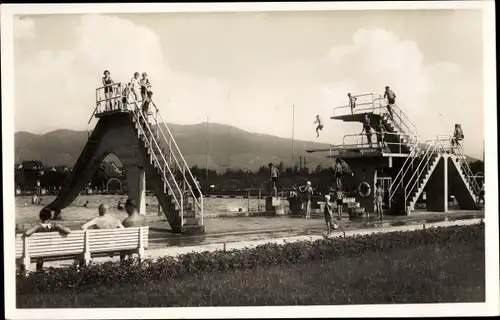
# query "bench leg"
(26, 264)
(141, 254)
(85, 261)
(39, 265)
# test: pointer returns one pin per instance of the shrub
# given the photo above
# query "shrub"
(134, 272)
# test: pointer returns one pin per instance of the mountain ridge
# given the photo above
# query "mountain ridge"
(230, 147)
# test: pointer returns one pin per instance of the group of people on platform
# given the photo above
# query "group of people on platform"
(367, 127)
(380, 131)
(138, 87)
(104, 220)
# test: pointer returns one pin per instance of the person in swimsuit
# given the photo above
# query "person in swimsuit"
(134, 219)
(275, 174)
(352, 102)
(307, 190)
(379, 198)
(458, 136)
(338, 170)
(367, 128)
(135, 87)
(327, 211)
(46, 225)
(380, 130)
(340, 203)
(391, 99)
(145, 85)
(320, 125)
(103, 221)
(107, 82)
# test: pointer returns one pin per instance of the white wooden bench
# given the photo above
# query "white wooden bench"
(80, 245)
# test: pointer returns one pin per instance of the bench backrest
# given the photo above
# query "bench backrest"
(53, 244)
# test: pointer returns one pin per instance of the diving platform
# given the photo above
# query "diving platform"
(136, 133)
(393, 154)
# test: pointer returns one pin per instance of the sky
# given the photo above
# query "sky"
(249, 69)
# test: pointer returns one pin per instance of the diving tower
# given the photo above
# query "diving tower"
(137, 134)
(404, 165)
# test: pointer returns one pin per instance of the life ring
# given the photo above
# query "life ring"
(366, 186)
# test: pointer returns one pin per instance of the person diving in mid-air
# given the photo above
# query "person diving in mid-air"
(320, 125)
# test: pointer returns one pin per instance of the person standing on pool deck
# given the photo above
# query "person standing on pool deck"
(379, 198)
(352, 102)
(308, 192)
(275, 175)
(340, 203)
(391, 99)
(327, 211)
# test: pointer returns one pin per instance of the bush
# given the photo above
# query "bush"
(134, 272)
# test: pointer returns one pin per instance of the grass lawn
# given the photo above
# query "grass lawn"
(446, 272)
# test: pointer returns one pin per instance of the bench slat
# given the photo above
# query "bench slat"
(56, 253)
(95, 238)
(117, 230)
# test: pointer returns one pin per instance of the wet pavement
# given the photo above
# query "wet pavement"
(256, 228)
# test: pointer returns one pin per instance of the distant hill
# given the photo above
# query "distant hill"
(230, 147)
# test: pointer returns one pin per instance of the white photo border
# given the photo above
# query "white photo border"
(490, 307)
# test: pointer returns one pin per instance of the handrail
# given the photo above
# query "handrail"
(183, 160)
(137, 112)
(415, 178)
(363, 137)
(405, 168)
(458, 151)
(371, 103)
(117, 89)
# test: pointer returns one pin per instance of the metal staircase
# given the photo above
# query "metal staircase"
(464, 171)
(181, 189)
(411, 180)
(421, 174)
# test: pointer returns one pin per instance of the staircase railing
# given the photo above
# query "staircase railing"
(399, 118)
(422, 167)
(151, 143)
(457, 150)
(176, 158)
(360, 141)
(406, 169)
